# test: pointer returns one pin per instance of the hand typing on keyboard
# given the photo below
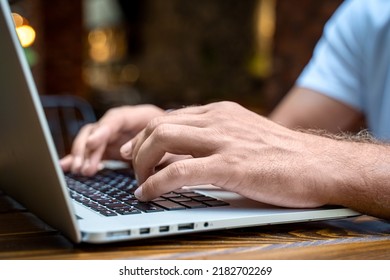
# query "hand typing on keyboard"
(233, 148)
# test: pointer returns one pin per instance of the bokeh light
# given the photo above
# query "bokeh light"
(25, 32)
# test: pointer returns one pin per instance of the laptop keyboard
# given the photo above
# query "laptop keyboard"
(111, 193)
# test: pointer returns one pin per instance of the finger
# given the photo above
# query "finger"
(197, 120)
(95, 148)
(78, 148)
(127, 149)
(130, 118)
(171, 138)
(122, 120)
(93, 162)
(91, 144)
(182, 119)
(154, 125)
(188, 172)
(66, 163)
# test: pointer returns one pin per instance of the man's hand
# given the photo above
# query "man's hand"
(103, 139)
(233, 148)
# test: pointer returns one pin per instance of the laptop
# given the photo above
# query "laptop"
(31, 174)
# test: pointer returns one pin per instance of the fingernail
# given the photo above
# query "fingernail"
(138, 193)
(126, 149)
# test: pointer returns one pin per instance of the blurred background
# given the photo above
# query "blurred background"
(170, 52)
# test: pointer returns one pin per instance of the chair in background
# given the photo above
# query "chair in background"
(66, 114)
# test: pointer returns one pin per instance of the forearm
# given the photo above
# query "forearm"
(358, 177)
(305, 108)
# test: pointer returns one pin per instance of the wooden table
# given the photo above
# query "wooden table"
(24, 236)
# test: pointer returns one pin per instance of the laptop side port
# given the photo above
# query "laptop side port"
(163, 228)
(144, 231)
(186, 226)
(116, 234)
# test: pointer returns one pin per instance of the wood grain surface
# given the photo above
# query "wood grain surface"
(24, 236)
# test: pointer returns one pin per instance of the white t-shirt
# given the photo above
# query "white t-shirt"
(351, 62)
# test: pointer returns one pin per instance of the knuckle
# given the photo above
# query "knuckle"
(113, 111)
(178, 169)
(161, 132)
(87, 127)
(154, 123)
(230, 104)
(158, 129)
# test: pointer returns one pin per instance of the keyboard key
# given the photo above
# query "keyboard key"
(107, 213)
(116, 205)
(128, 211)
(147, 207)
(203, 198)
(192, 194)
(171, 195)
(215, 202)
(169, 205)
(193, 204)
(180, 199)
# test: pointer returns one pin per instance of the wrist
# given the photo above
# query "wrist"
(359, 177)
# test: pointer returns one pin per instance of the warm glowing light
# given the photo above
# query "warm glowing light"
(100, 54)
(25, 32)
(99, 45)
(97, 38)
(26, 35)
(261, 65)
(106, 44)
(18, 19)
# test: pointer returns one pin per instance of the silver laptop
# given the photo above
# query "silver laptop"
(30, 173)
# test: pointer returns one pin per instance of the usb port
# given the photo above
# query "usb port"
(186, 226)
(164, 228)
(144, 231)
(118, 233)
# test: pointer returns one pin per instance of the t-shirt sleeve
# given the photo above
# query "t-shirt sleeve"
(335, 68)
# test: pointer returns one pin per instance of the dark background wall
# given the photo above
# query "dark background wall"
(299, 25)
(186, 52)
